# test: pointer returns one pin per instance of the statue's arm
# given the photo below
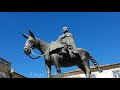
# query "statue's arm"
(61, 37)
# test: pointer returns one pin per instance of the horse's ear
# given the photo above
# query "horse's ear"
(31, 34)
(26, 36)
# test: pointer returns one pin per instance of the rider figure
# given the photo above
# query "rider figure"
(68, 41)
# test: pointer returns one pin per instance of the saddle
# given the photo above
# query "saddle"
(55, 45)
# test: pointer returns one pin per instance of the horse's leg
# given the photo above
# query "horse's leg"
(87, 67)
(85, 61)
(58, 71)
(48, 68)
(81, 66)
(55, 59)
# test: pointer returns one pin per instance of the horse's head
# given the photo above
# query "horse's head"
(30, 43)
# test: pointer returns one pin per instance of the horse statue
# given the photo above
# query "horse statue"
(81, 60)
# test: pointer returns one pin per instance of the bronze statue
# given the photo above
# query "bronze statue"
(68, 41)
(53, 57)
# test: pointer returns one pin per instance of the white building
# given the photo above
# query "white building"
(109, 71)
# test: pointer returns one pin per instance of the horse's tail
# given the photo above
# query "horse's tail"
(96, 64)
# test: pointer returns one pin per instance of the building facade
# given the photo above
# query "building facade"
(5, 69)
(109, 71)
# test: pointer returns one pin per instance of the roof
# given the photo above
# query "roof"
(3, 61)
(16, 75)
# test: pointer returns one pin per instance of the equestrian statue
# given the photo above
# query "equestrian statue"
(60, 53)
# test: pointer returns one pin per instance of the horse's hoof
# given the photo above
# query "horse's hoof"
(100, 70)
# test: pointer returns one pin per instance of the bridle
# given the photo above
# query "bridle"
(38, 56)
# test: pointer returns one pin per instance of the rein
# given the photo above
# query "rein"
(33, 58)
(38, 56)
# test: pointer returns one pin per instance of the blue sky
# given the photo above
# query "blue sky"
(97, 32)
